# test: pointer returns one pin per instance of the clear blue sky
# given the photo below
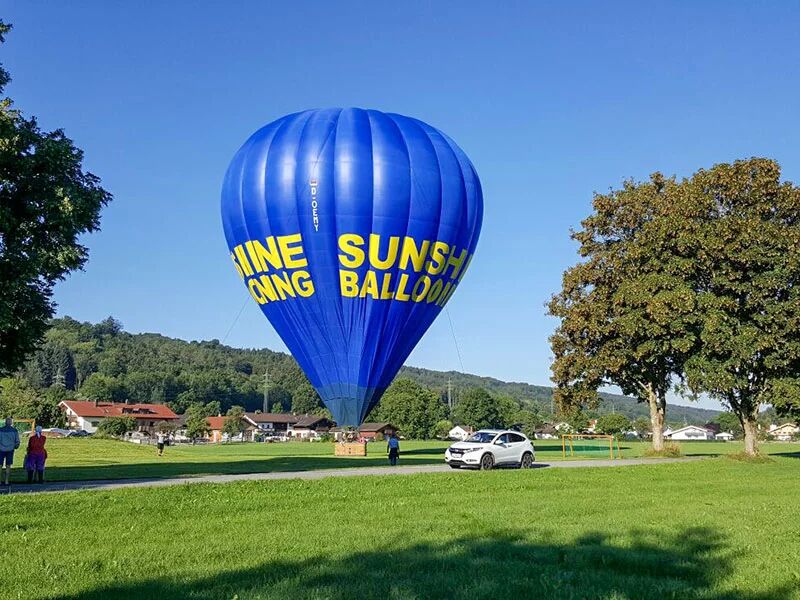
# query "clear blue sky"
(551, 101)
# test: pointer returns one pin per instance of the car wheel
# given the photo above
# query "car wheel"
(527, 461)
(487, 462)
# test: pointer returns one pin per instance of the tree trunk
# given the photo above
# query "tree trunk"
(750, 435)
(658, 409)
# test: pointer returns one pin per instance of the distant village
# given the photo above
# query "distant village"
(85, 417)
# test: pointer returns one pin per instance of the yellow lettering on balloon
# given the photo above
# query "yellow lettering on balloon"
(418, 295)
(411, 252)
(243, 262)
(268, 288)
(289, 252)
(301, 280)
(456, 263)
(401, 294)
(437, 262)
(256, 291)
(370, 285)
(348, 283)
(386, 293)
(353, 255)
(269, 255)
(375, 248)
(236, 264)
(436, 289)
(283, 284)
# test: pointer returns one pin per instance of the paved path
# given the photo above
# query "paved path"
(64, 486)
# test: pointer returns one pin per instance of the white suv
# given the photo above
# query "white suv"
(491, 448)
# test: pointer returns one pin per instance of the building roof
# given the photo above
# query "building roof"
(465, 428)
(687, 427)
(272, 417)
(119, 409)
(375, 427)
(789, 427)
(215, 423)
(310, 420)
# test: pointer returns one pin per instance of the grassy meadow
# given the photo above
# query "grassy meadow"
(711, 529)
(88, 458)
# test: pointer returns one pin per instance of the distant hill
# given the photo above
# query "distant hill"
(543, 395)
(103, 361)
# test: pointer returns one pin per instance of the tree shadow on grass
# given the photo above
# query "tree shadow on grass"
(169, 469)
(694, 563)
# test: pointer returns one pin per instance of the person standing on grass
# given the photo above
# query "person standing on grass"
(160, 439)
(393, 447)
(9, 441)
(37, 455)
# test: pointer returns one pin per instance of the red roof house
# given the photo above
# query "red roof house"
(88, 415)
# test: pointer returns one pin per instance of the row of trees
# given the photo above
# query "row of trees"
(421, 413)
(690, 283)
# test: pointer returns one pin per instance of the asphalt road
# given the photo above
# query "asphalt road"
(66, 486)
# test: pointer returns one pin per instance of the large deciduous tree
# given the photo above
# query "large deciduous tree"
(47, 201)
(478, 409)
(413, 409)
(748, 289)
(626, 310)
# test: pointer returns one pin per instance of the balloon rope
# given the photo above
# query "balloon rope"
(455, 341)
(239, 314)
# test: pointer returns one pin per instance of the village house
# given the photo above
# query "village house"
(271, 423)
(310, 427)
(784, 433)
(376, 431)
(460, 432)
(724, 436)
(87, 415)
(689, 433)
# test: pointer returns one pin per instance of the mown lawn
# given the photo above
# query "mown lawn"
(709, 529)
(88, 458)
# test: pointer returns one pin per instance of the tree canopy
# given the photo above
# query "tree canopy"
(693, 280)
(47, 201)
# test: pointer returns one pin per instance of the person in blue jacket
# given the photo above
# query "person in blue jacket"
(393, 448)
(9, 441)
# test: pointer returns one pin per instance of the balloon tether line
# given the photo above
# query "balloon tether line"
(239, 314)
(455, 340)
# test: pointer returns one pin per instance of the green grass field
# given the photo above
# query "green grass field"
(709, 529)
(88, 458)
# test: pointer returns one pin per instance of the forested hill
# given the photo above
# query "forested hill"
(542, 395)
(104, 362)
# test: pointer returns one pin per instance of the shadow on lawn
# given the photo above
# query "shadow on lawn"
(274, 464)
(687, 565)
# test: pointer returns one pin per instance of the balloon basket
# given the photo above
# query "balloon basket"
(350, 449)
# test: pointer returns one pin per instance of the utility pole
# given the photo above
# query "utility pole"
(450, 394)
(266, 390)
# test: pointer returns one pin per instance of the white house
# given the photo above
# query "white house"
(88, 415)
(724, 436)
(563, 427)
(460, 432)
(689, 433)
(785, 432)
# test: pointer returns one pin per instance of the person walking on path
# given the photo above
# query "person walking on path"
(160, 440)
(36, 457)
(393, 447)
(9, 441)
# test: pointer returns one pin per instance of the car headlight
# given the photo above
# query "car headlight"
(472, 450)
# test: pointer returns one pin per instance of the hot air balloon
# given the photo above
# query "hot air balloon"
(351, 229)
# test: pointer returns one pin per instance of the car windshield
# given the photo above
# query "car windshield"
(482, 437)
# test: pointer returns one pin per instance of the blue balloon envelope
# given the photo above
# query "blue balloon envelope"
(351, 229)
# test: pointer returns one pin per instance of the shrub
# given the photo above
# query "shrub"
(671, 450)
(116, 426)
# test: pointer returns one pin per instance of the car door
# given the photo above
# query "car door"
(516, 446)
(502, 449)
